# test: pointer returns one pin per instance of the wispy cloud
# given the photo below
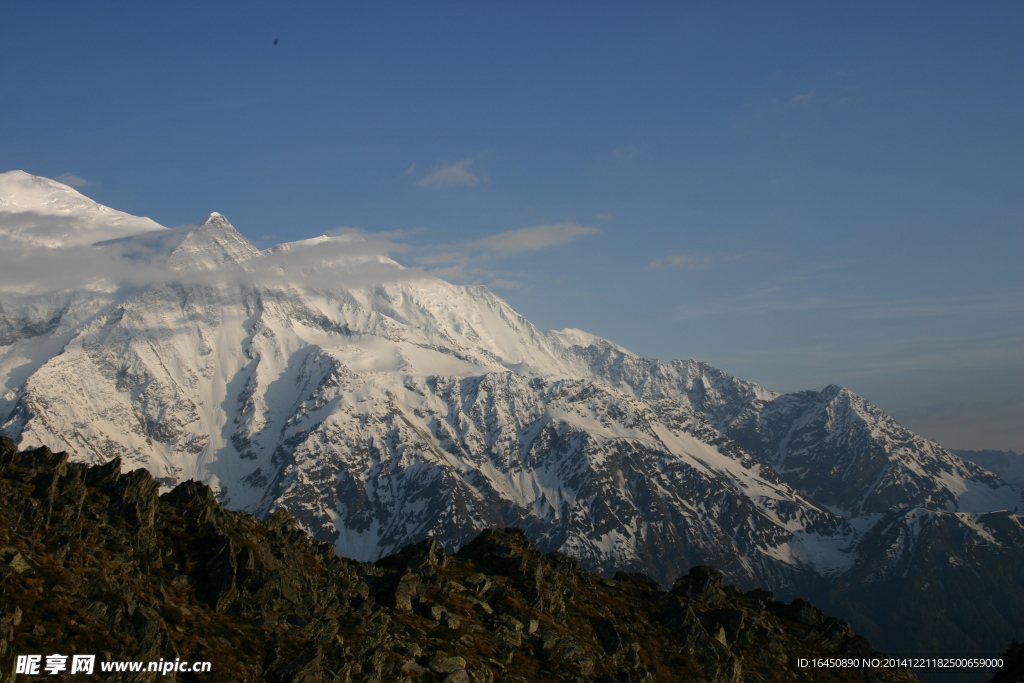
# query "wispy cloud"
(505, 284)
(685, 261)
(449, 175)
(803, 98)
(675, 261)
(816, 100)
(348, 256)
(471, 261)
(760, 302)
(533, 238)
(74, 180)
(390, 238)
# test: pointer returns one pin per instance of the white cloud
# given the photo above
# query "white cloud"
(349, 257)
(684, 261)
(802, 98)
(774, 300)
(74, 180)
(462, 262)
(533, 238)
(675, 261)
(389, 236)
(449, 175)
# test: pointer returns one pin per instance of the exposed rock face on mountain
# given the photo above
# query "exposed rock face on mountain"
(382, 407)
(922, 568)
(93, 562)
(851, 457)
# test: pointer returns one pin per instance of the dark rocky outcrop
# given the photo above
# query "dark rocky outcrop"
(92, 561)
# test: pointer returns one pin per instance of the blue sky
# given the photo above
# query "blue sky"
(798, 193)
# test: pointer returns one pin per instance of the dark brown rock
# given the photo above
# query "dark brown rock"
(91, 560)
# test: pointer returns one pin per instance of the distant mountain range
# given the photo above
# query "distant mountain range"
(382, 406)
(1007, 464)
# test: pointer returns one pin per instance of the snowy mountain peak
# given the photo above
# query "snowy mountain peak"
(571, 336)
(39, 212)
(381, 406)
(212, 245)
(21, 191)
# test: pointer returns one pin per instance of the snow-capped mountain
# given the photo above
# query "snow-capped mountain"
(39, 212)
(381, 406)
(851, 457)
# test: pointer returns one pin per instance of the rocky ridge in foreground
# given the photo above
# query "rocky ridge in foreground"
(92, 561)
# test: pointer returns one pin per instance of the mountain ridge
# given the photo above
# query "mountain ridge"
(381, 406)
(180, 578)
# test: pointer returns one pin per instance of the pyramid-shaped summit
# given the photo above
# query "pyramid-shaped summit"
(213, 244)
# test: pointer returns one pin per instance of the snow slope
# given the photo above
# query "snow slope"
(36, 211)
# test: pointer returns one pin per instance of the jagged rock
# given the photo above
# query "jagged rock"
(485, 607)
(104, 476)
(134, 497)
(220, 574)
(640, 579)
(412, 668)
(16, 562)
(427, 552)
(447, 665)
(608, 635)
(761, 595)
(406, 588)
(7, 450)
(729, 620)
(428, 608)
(703, 583)
(802, 612)
(633, 654)
(140, 577)
(478, 583)
(190, 495)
